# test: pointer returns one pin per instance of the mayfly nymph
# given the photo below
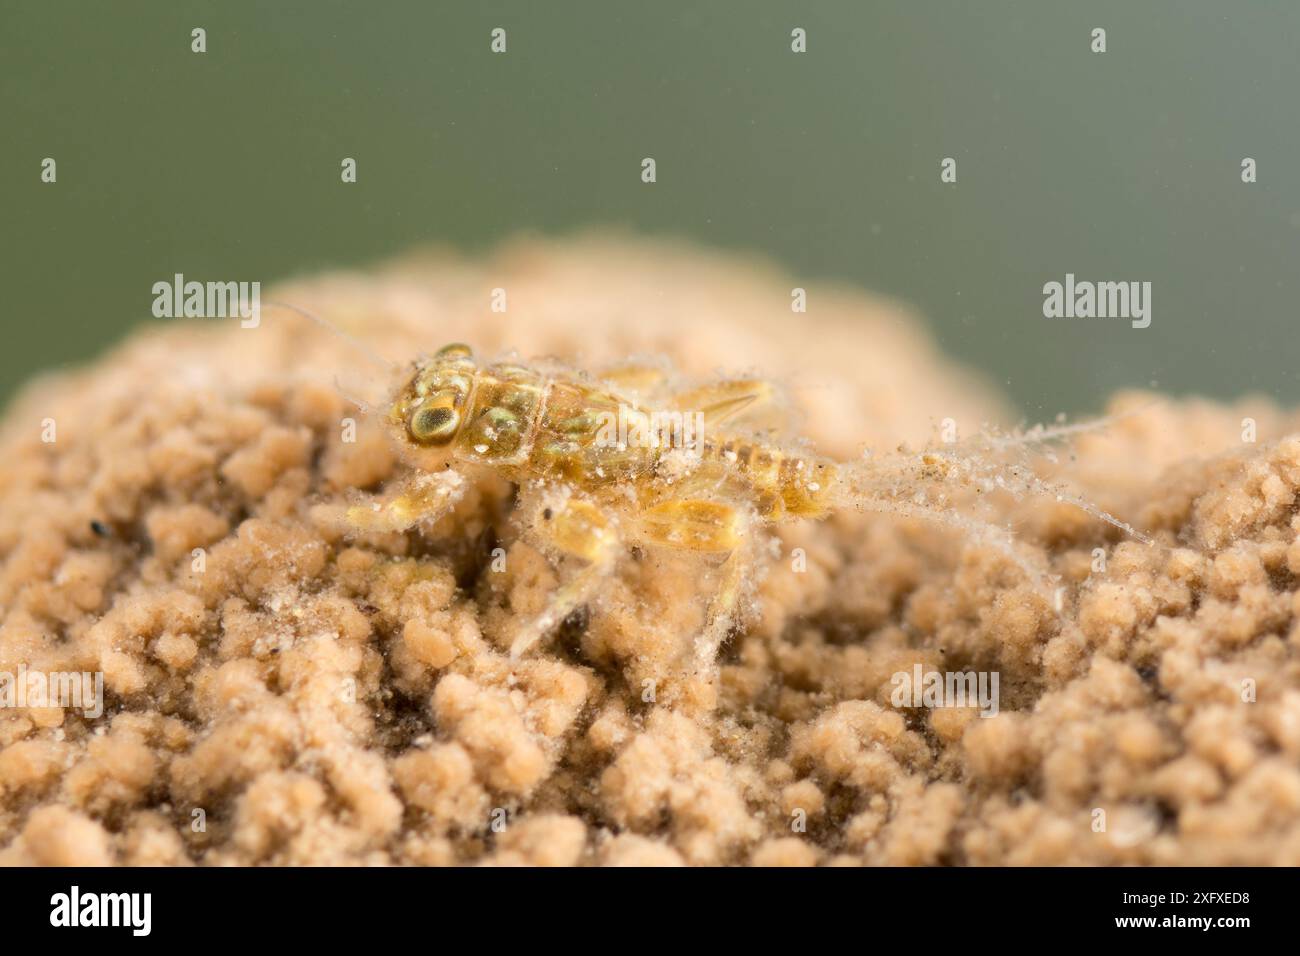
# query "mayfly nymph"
(603, 489)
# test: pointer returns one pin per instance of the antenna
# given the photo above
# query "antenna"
(356, 343)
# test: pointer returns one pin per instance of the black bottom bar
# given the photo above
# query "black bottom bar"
(336, 905)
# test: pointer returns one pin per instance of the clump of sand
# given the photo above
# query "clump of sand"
(280, 692)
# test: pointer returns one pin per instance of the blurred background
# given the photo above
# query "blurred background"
(1117, 166)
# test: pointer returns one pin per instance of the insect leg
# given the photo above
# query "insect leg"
(578, 527)
(423, 497)
(706, 526)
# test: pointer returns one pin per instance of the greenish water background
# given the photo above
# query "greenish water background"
(1119, 166)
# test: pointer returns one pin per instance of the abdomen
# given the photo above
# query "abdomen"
(783, 485)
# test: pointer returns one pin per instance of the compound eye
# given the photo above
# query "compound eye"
(455, 350)
(433, 424)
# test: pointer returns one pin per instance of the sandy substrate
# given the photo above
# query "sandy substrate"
(278, 691)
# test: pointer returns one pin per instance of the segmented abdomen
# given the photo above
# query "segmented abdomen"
(782, 484)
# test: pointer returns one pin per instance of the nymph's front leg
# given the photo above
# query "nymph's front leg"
(423, 497)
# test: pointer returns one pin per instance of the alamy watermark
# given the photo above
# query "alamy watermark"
(922, 688)
(72, 690)
(208, 300)
(633, 428)
(1074, 299)
(75, 908)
